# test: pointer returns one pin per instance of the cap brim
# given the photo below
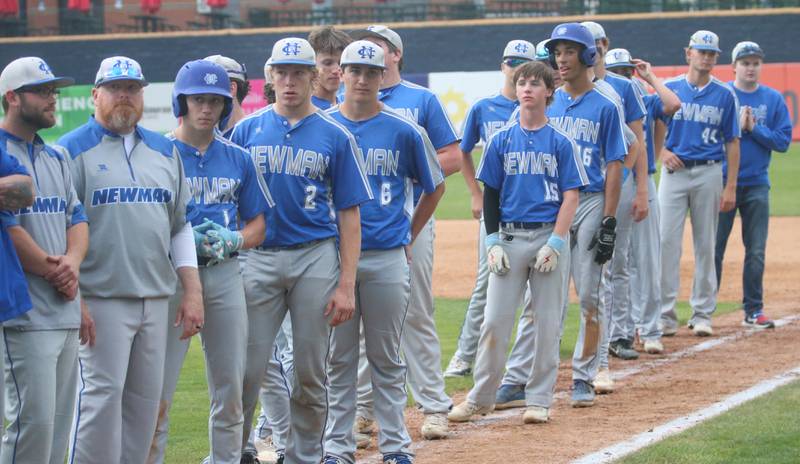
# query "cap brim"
(620, 65)
(379, 66)
(746, 54)
(706, 47)
(202, 90)
(121, 78)
(518, 57)
(56, 81)
(364, 33)
(301, 62)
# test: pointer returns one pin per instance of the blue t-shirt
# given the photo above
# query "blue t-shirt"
(531, 169)
(396, 153)
(772, 132)
(708, 118)
(14, 297)
(594, 121)
(224, 184)
(487, 116)
(313, 167)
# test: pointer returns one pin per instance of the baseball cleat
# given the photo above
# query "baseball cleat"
(362, 440)
(536, 415)
(603, 383)
(435, 427)
(267, 453)
(328, 459)
(248, 457)
(464, 411)
(397, 458)
(582, 394)
(623, 349)
(510, 396)
(457, 367)
(653, 346)
(668, 329)
(364, 425)
(702, 329)
(758, 321)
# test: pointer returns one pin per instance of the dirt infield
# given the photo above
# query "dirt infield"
(643, 400)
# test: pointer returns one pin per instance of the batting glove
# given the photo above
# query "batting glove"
(496, 256)
(231, 240)
(547, 257)
(207, 247)
(604, 240)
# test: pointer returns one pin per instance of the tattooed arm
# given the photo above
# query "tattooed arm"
(16, 191)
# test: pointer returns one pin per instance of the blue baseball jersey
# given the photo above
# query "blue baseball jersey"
(632, 103)
(655, 112)
(397, 153)
(772, 132)
(594, 121)
(224, 184)
(14, 297)
(708, 118)
(487, 116)
(313, 165)
(320, 102)
(531, 169)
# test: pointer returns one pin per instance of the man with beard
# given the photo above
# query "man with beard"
(132, 183)
(50, 238)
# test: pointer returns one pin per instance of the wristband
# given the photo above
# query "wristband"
(555, 242)
(492, 239)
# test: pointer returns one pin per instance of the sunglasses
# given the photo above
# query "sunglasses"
(514, 62)
(44, 92)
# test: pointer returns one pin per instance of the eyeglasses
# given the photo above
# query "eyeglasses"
(44, 92)
(514, 62)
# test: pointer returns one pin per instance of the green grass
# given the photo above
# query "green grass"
(765, 430)
(188, 438)
(784, 174)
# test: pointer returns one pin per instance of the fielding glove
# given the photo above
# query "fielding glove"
(604, 240)
(496, 256)
(547, 257)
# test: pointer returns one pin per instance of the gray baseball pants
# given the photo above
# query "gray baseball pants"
(645, 264)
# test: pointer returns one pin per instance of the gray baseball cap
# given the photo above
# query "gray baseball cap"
(379, 31)
(28, 72)
(234, 69)
(746, 48)
(117, 68)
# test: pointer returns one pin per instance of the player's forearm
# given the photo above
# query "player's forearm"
(612, 188)
(640, 168)
(468, 171)
(635, 149)
(669, 100)
(569, 204)
(659, 135)
(349, 245)
(32, 258)
(16, 191)
(78, 241)
(424, 210)
(253, 232)
(190, 280)
(732, 152)
(450, 159)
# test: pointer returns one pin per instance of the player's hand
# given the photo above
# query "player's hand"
(604, 240)
(341, 306)
(547, 257)
(190, 314)
(641, 206)
(744, 117)
(671, 161)
(496, 257)
(752, 122)
(229, 240)
(728, 200)
(477, 205)
(407, 249)
(69, 291)
(88, 332)
(644, 70)
(66, 271)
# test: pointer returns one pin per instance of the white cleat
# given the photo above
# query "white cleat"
(536, 415)
(653, 346)
(364, 425)
(603, 383)
(362, 440)
(435, 427)
(464, 411)
(457, 367)
(702, 329)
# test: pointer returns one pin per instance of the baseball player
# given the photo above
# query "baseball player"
(531, 172)
(50, 238)
(701, 134)
(543, 55)
(313, 161)
(645, 253)
(328, 43)
(132, 184)
(420, 342)
(397, 153)
(227, 216)
(485, 117)
(240, 87)
(766, 127)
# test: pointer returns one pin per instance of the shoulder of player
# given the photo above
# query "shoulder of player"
(334, 124)
(231, 148)
(606, 97)
(400, 120)
(727, 88)
(412, 86)
(253, 116)
(155, 141)
(80, 140)
(504, 133)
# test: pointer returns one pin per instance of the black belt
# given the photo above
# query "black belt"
(202, 261)
(297, 246)
(692, 163)
(525, 225)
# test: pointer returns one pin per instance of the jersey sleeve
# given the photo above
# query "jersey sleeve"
(183, 196)
(472, 131)
(634, 106)
(613, 141)
(350, 184)
(437, 124)
(238, 134)
(730, 118)
(777, 135)
(490, 171)
(10, 165)
(571, 174)
(426, 169)
(254, 197)
(76, 213)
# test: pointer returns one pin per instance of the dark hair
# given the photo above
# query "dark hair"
(536, 70)
(242, 89)
(328, 39)
(269, 93)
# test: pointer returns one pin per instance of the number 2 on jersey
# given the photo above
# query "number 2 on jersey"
(311, 193)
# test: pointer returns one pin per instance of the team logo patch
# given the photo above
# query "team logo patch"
(366, 52)
(124, 68)
(211, 79)
(521, 47)
(45, 69)
(291, 48)
(102, 168)
(561, 30)
(708, 38)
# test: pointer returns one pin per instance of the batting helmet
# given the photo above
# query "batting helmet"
(577, 33)
(198, 77)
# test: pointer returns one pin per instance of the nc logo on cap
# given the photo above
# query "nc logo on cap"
(366, 52)
(45, 68)
(210, 79)
(291, 48)
(619, 55)
(521, 47)
(708, 39)
(123, 68)
(561, 30)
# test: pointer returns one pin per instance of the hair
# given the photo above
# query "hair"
(269, 93)
(242, 89)
(539, 71)
(328, 39)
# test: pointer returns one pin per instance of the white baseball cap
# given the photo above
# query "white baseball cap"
(746, 48)
(28, 72)
(596, 29)
(705, 40)
(618, 58)
(267, 77)
(363, 52)
(234, 69)
(520, 49)
(542, 53)
(293, 50)
(119, 68)
(379, 31)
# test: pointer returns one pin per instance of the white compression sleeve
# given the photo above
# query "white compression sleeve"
(182, 248)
